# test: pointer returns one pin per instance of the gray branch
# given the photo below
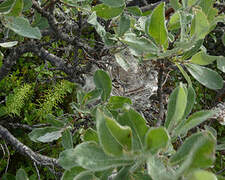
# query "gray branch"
(23, 149)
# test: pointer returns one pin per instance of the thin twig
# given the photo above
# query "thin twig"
(159, 94)
(37, 170)
(7, 166)
(152, 6)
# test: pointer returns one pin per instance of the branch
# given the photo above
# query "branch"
(23, 149)
(159, 94)
(11, 59)
(73, 40)
(152, 6)
(35, 48)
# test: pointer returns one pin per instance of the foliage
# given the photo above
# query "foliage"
(126, 143)
(102, 135)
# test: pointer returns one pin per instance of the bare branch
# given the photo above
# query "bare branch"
(23, 149)
(159, 94)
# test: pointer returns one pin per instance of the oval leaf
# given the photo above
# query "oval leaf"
(117, 102)
(5, 6)
(221, 63)
(200, 25)
(205, 76)
(124, 25)
(202, 175)
(199, 148)
(22, 27)
(114, 3)
(138, 125)
(70, 174)
(122, 134)
(17, 8)
(103, 81)
(196, 119)
(21, 175)
(107, 141)
(90, 135)
(157, 26)
(90, 156)
(176, 107)
(202, 58)
(156, 139)
(107, 12)
(47, 134)
(67, 140)
(142, 45)
(8, 44)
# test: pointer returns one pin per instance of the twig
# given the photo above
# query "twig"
(220, 171)
(7, 166)
(152, 6)
(25, 126)
(37, 170)
(159, 94)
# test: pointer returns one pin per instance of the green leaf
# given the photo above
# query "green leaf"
(40, 21)
(27, 5)
(220, 147)
(207, 8)
(8, 44)
(191, 2)
(103, 81)
(134, 10)
(175, 4)
(157, 26)
(200, 25)
(70, 174)
(1, 58)
(176, 107)
(156, 139)
(205, 76)
(223, 39)
(174, 22)
(142, 44)
(47, 134)
(220, 177)
(193, 50)
(198, 148)
(109, 144)
(202, 58)
(191, 96)
(114, 3)
(22, 27)
(86, 175)
(187, 78)
(196, 119)
(202, 175)
(124, 25)
(90, 96)
(157, 170)
(117, 102)
(122, 61)
(90, 135)
(5, 6)
(122, 134)
(17, 8)
(107, 12)
(67, 140)
(21, 175)
(8, 176)
(90, 156)
(138, 125)
(221, 63)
